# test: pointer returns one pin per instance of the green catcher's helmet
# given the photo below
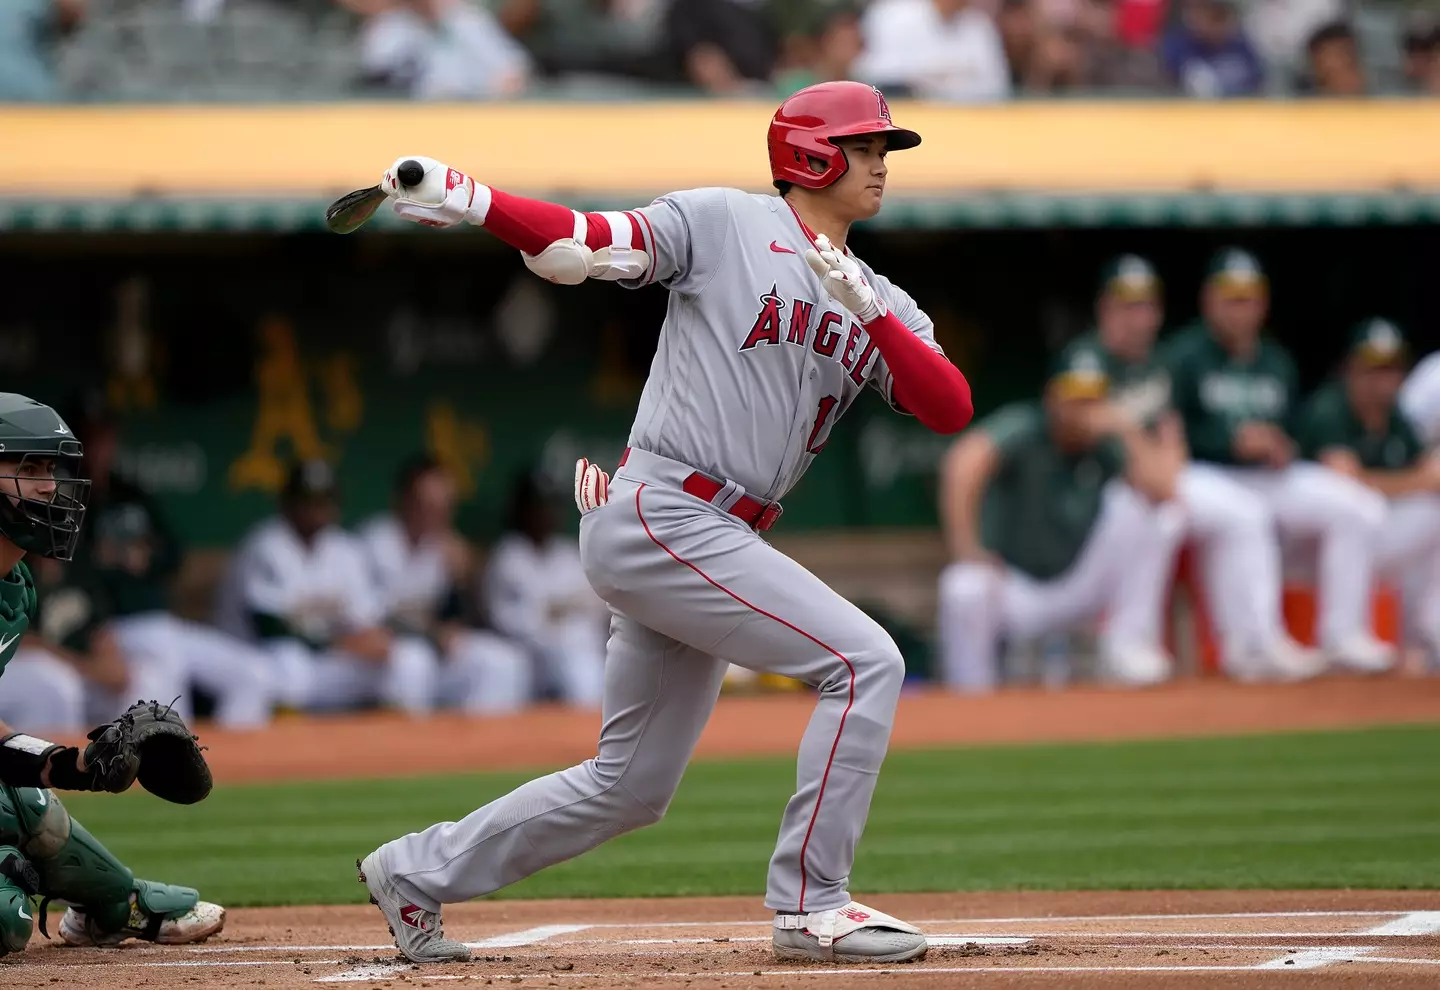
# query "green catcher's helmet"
(43, 501)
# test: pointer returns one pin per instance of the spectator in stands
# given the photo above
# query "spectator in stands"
(1240, 557)
(536, 593)
(132, 557)
(441, 50)
(68, 660)
(1334, 62)
(1280, 30)
(933, 49)
(822, 50)
(603, 37)
(299, 585)
(28, 32)
(1237, 390)
(725, 47)
(1355, 426)
(1208, 56)
(1041, 527)
(1421, 44)
(1118, 41)
(420, 565)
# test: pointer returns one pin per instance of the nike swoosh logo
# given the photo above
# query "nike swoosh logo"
(21, 912)
(5, 643)
(775, 246)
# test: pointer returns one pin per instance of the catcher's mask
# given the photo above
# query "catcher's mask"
(42, 492)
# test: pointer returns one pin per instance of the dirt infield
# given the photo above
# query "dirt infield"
(1209, 939)
(1142, 939)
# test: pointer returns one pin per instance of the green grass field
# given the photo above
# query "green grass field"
(1355, 809)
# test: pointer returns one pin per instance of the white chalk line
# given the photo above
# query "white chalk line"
(1410, 925)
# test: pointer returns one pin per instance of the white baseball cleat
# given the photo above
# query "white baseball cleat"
(1363, 653)
(1135, 665)
(195, 925)
(418, 933)
(852, 934)
(1285, 660)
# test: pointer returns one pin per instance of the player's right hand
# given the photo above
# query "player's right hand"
(592, 486)
(443, 198)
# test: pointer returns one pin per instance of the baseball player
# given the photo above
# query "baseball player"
(1042, 530)
(130, 556)
(43, 851)
(773, 328)
(416, 561)
(1237, 392)
(536, 593)
(1354, 426)
(1240, 552)
(300, 585)
(1420, 399)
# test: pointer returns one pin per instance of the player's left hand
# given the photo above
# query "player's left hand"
(442, 199)
(149, 741)
(842, 278)
(592, 486)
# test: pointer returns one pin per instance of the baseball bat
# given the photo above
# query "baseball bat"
(349, 212)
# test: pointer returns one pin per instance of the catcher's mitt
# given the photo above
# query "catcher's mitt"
(152, 743)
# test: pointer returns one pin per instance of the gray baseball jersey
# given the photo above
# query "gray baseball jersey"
(755, 362)
(754, 365)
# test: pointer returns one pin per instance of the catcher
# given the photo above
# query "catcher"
(43, 851)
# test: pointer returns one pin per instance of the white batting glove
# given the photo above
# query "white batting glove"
(592, 486)
(444, 198)
(842, 278)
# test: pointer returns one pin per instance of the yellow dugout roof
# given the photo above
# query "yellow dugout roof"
(591, 149)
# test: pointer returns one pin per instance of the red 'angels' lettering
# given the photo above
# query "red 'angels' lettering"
(766, 329)
(769, 318)
(827, 405)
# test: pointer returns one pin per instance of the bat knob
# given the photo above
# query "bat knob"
(410, 172)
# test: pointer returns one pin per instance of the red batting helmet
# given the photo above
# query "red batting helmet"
(803, 126)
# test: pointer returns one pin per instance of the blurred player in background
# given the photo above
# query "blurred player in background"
(1045, 505)
(536, 593)
(1355, 426)
(1237, 391)
(301, 585)
(131, 556)
(419, 564)
(1240, 552)
(68, 659)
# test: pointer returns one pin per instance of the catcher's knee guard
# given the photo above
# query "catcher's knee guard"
(75, 868)
(18, 883)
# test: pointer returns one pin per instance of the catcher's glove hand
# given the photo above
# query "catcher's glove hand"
(152, 743)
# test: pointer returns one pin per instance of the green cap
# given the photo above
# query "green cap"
(1079, 373)
(1130, 277)
(1377, 341)
(1237, 270)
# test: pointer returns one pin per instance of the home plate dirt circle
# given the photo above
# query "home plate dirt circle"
(1096, 939)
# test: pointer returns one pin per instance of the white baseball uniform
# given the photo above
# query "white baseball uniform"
(1420, 399)
(483, 673)
(538, 596)
(317, 592)
(42, 693)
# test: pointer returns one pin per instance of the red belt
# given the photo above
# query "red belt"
(754, 513)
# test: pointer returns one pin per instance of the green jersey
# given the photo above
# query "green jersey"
(1327, 421)
(1141, 387)
(1215, 392)
(1042, 501)
(17, 610)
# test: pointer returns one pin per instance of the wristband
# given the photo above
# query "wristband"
(23, 759)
